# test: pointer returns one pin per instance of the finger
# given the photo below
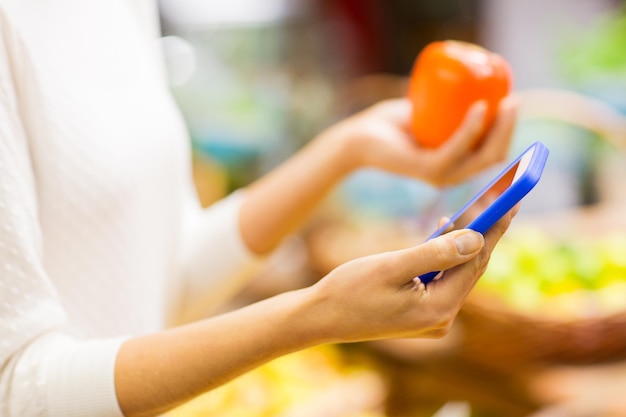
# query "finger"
(515, 210)
(495, 232)
(468, 133)
(458, 282)
(498, 140)
(438, 254)
(445, 221)
(496, 146)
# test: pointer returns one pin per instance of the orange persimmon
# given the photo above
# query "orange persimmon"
(446, 79)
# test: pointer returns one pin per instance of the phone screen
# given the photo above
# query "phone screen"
(493, 201)
(462, 219)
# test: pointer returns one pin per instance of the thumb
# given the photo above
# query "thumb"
(464, 138)
(440, 254)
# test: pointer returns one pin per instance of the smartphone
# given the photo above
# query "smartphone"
(502, 193)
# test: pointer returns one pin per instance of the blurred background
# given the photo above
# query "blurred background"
(546, 326)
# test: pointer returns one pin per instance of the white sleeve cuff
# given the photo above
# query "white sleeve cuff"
(58, 376)
(82, 379)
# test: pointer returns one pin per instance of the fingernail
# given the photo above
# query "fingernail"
(468, 242)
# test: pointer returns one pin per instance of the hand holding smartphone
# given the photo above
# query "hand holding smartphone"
(498, 197)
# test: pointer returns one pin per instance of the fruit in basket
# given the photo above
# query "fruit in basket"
(304, 383)
(447, 78)
(533, 273)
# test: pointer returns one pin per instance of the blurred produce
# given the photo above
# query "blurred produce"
(537, 274)
(316, 382)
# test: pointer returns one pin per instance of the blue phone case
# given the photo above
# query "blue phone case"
(505, 202)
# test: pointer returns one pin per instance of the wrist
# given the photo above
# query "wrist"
(308, 320)
(341, 149)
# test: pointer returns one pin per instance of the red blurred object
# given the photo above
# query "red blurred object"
(362, 38)
(447, 78)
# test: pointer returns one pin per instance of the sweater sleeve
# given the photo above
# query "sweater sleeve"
(42, 371)
(215, 261)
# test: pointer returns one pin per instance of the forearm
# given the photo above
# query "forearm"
(366, 299)
(159, 371)
(282, 200)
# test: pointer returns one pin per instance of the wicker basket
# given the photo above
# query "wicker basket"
(506, 339)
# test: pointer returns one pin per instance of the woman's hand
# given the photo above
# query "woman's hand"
(377, 296)
(379, 137)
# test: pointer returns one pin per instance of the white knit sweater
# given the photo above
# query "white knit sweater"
(101, 235)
